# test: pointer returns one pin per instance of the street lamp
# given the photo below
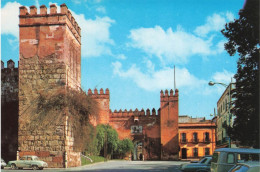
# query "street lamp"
(211, 83)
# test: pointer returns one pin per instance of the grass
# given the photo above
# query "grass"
(85, 161)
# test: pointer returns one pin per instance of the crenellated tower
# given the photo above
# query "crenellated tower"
(103, 99)
(50, 59)
(169, 125)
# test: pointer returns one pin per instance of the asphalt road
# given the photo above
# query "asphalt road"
(121, 166)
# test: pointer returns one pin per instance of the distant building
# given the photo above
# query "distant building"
(196, 137)
(224, 117)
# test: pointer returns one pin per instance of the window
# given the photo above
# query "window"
(183, 138)
(206, 151)
(195, 137)
(230, 158)
(206, 137)
(195, 152)
(136, 129)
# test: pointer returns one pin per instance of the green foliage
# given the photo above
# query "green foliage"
(124, 146)
(94, 158)
(243, 38)
(108, 142)
(52, 107)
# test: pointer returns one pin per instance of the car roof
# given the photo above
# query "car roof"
(238, 150)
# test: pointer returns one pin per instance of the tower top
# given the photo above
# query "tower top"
(53, 18)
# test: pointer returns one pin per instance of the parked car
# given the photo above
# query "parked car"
(28, 162)
(224, 159)
(250, 166)
(202, 165)
(3, 164)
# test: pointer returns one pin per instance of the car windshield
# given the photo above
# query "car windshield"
(203, 160)
(36, 158)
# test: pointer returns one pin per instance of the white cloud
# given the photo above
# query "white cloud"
(223, 77)
(101, 9)
(160, 79)
(95, 35)
(167, 45)
(10, 19)
(215, 23)
(120, 56)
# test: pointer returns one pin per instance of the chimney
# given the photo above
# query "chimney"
(33, 10)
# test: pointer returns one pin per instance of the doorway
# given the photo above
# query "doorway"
(184, 153)
(138, 151)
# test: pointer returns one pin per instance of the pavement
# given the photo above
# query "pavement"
(120, 166)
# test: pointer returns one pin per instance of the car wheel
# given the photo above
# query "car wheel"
(13, 166)
(20, 168)
(35, 167)
(2, 167)
(41, 168)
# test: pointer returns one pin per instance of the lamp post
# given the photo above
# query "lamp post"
(211, 83)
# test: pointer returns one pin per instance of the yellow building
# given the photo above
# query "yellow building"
(197, 137)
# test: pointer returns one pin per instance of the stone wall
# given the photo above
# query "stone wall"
(50, 61)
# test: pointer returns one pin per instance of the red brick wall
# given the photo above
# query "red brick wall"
(169, 125)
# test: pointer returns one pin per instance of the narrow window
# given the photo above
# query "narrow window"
(195, 152)
(183, 138)
(195, 137)
(206, 137)
(206, 151)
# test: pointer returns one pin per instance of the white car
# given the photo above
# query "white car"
(28, 162)
(3, 164)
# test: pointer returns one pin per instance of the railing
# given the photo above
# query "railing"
(183, 141)
(195, 140)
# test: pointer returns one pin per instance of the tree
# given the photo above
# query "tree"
(243, 38)
(124, 146)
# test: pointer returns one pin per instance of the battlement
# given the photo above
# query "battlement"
(10, 65)
(136, 112)
(165, 96)
(54, 18)
(100, 95)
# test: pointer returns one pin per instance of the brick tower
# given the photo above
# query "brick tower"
(169, 125)
(50, 58)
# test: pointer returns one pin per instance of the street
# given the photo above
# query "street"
(124, 166)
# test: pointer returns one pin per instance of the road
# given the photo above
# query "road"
(122, 166)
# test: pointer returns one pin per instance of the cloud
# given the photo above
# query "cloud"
(157, 80)
(167, 45)
(215, 23)
(223, 77)
(101, 9)
(10, 19)
(95, 35)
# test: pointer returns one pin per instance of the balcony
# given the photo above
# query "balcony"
(195, 141)
(183, 141)
(206, 140)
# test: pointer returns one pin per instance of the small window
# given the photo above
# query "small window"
(206, 151)
(29, 158)
(183, 137)
(195, 152)
(230, 158)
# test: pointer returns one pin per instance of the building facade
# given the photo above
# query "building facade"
(224, 117)
(196, 137)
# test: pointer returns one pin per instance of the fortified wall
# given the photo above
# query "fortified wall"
(50, 60)
(9, 110)
(154, 132)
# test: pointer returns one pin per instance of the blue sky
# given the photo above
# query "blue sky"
(131, 46)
